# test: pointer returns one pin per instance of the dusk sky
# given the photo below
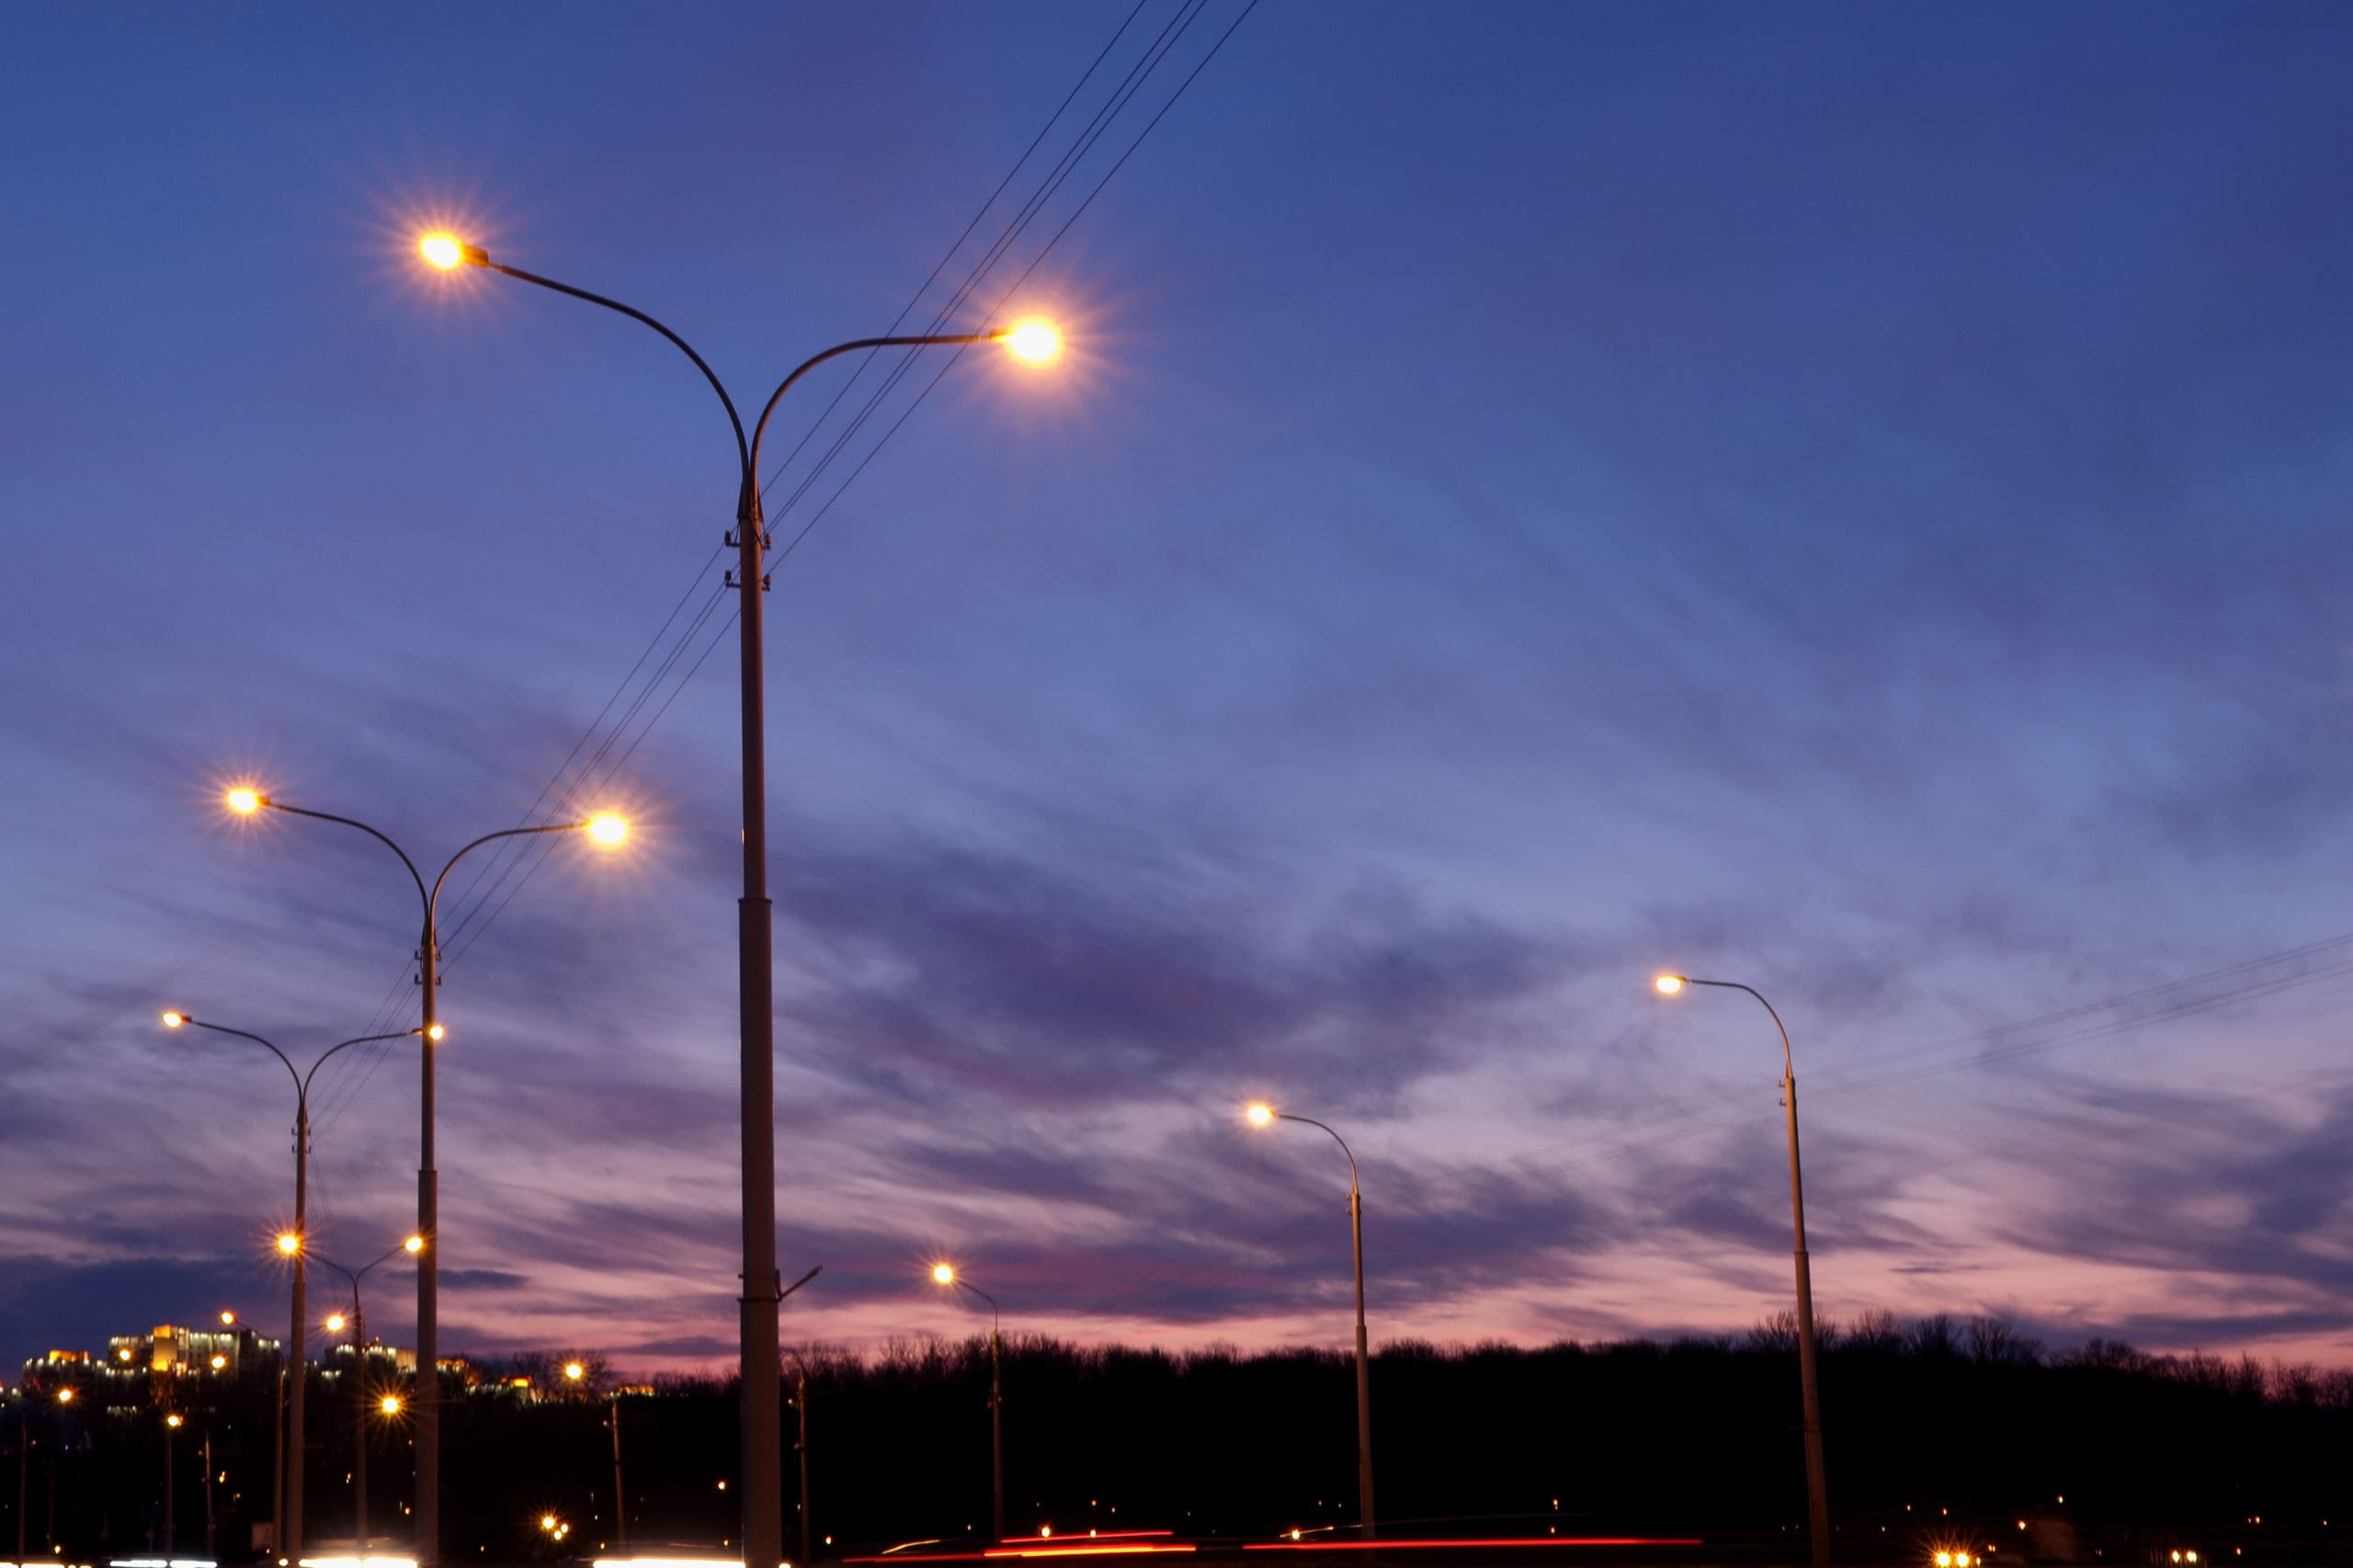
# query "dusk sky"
(1849, 499)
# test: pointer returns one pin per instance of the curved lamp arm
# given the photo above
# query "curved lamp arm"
(433, 900)
(1310, 1121)
(301, 1085)
(363, 1039)
(1788, 1065)
(814, 360)
(351, 821)
(995, 1318)
(744, 454)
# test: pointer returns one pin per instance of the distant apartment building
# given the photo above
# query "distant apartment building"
(171, 1350)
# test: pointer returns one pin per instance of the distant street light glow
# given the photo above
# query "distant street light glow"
(941, 1274)
(245, 803)
(1668, 985)
(173, 1021)
(289, 1243)
(443, 251)
(608, 829)
(1261, 1115)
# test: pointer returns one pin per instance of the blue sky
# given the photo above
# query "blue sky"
(1846, 500)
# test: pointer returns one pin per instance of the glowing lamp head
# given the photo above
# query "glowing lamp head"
(609, 830)
(289, 1244)
(172, 1420)
(547, 1521)
(1261, 1115)
(220, 1362)
(335, 1322)
(1033, 340)
(245, 803)
(65, 1396)
(942, 1274)
(444, 251)
(390, 1404)
(174, 1020)
(122, 1355)
(574, 1372)
(1668, 985)
(434, 1033)
(228, 1318)
(414, 1246)
(1944, 1559)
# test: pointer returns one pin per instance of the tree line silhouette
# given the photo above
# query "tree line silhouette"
(1941, 1430)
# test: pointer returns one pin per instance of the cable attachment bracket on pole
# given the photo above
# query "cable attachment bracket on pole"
(729, 579)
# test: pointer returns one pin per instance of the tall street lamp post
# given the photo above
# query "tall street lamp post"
(286, 1527)
(1817, 1498)
(605, 830)
(1266, 1116)
(760, 1419)
(945, 1274)
(412, 1246)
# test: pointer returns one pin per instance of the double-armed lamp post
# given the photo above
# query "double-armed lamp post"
(1266, 1116)
(1817, 1498)
(294, 1246)
(607, 831)
(760, 1438)
(388, 1404)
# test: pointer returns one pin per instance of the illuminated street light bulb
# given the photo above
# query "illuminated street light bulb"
(122, 1355)
(219, 1362)
(609, 830)
(1033, 340)
(172, 1420)
(289, 1243)
(435, 1034)
(414, 1246)
(174, 1020)
(65, 1396)
(575, 1372)
(335, 1322)
(390, 1404)
(547, 1522)
(442, 250)
(1668, 985)
(245, 803)
(1261, 1115)
(941, 1274)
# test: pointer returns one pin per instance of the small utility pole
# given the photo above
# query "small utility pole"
(210, 1544)
(800, 1408)
(621, 1497)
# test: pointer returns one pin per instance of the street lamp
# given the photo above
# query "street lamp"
(171, 1424)
(760, 1436)
(1817, 1499)
(390, 1404)
(286, 1490)
(1266, 1116)
(604, 829)
(945, 1274)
